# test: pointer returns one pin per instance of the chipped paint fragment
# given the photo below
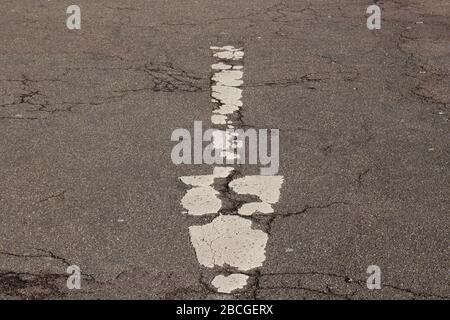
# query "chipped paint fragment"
(227, 284)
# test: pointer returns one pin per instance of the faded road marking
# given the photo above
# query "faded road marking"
(202, 198)
(227, 284)
(229, 240)
(267, 188)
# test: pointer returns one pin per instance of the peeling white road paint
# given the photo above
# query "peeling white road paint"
(225, 109)
(228, 52)
(248, 209)
(230, 78)
(227, 95)
(219, 119)
(229, 240)
(221, 66)
(227, 284)
(267, 188)
(203, 199)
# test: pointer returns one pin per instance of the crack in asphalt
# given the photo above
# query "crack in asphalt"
(164, 77)
(46, 254)
(419, 69)
(309, 207)
(345, 278)
(254, 290)
(31, 286)
(168, 78)
(49, 285)
(37, 286)
(362, 175)
(304, 79)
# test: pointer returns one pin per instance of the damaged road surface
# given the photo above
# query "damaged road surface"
(87, 178)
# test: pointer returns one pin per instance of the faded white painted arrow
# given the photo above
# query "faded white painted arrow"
(229, 240)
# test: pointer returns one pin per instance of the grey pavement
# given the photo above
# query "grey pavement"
(86, 116)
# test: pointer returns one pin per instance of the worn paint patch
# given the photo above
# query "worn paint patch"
(219, 119)
(247, 209)
(221, 66)
(227, 284)
(229, 240)
(228, 78)
(228, 53)
(267, 188)
(231, 78)
(203, 199)
(227, 95)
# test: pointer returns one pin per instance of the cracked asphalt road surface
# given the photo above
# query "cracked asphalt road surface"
(86, 118)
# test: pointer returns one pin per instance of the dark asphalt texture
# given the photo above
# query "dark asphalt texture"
(86, 116)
